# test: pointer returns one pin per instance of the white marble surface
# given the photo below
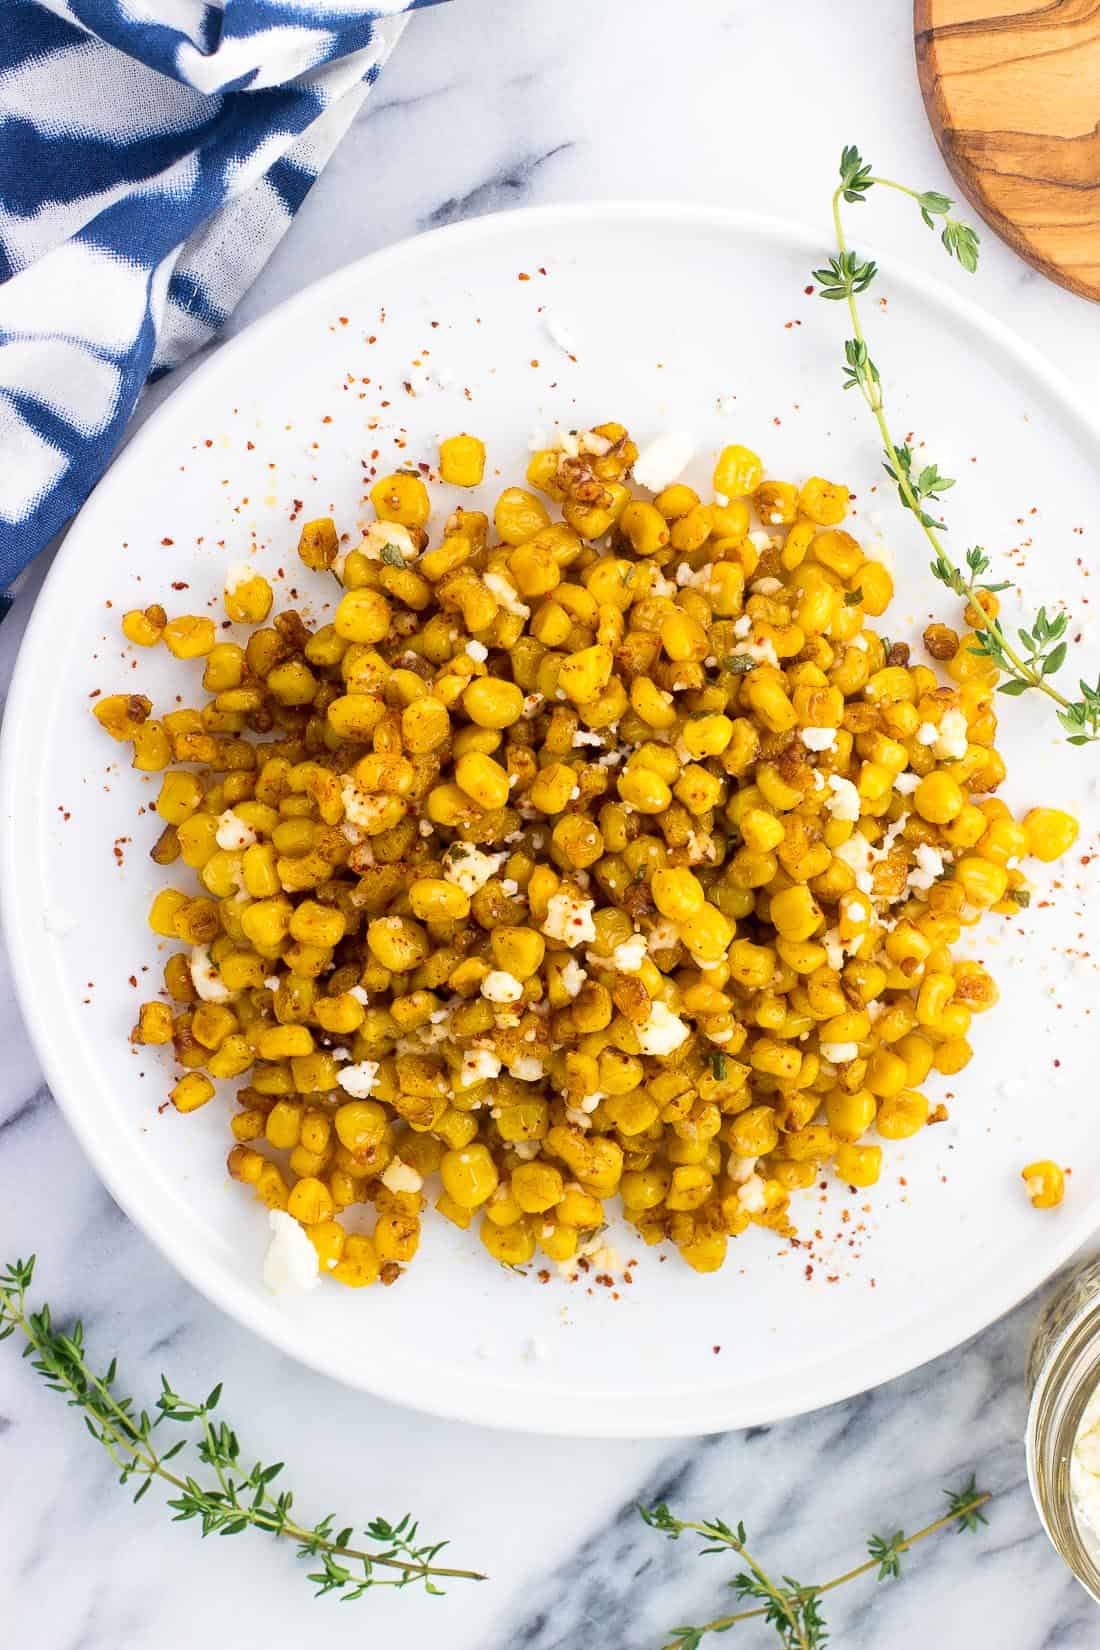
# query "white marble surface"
(489, 105)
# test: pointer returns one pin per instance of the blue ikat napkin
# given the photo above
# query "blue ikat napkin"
(152, 154)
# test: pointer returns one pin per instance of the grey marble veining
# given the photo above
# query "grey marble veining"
(483, 107)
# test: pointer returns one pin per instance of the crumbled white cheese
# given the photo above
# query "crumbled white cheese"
(532, 703)
(662, 460)
(630, 955)
(470, 869)
(662, 1032)
(927, 733)
(585, 736)
(506, 595)
(839, 1053)
(501, 987)
(362, 809)
(819, 780)
(233, 833)
(528, 1068)
(291, 1262)
(763, 652)
(844, 801)
(237, 575)
(739, 1169)
(401, 1177)
(751, 1195)
(929, 866)
(205, 977)
(767, 587)
(906, 783)
(834, 949)
(382, 533)
(527, 1149)
(722, 500)
(760, 540)
(359, 1080)
(663, 936)
(359, 992)
(272, 983)
(951, 741)
(478, 651)
(569, 919)
(572, 977)
(818, 739)
(742, 626)
(479, 1065)
(859, 855)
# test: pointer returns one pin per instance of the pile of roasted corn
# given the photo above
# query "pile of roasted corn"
(605, 856)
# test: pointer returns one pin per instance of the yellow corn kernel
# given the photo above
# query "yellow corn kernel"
(469, 1176)
(983, 882)
(318, 544)
(402, 498)
(738, 472)
(1045, 1182)
(358, 1266)
(849, 1114)
(462, 460)
(189, 637)
(824, 502)
(645, 527)
(858, 1165)
(938, 798)
(644, 790)
(248, 598)
(512, 1245)
(266, 922)
(1050, 834)
(492, 703)
(154, 1024)
(310, 1201)
(122, 714)
(484, 780)
(677, 894)
(362, 616)
(795, 913)
(144, 626)
(192, 1091)
(537, 1186)
(152, 750)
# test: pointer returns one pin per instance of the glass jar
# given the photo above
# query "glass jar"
(1063, 1372)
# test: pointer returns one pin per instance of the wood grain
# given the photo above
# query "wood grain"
(1013, 93)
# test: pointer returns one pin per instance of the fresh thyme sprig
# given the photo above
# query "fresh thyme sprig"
(233, 1499)
(792, 1607)
(1043, 649)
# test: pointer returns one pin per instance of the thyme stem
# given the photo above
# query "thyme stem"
(240, 1501)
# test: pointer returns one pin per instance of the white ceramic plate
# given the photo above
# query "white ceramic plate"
(670, 311)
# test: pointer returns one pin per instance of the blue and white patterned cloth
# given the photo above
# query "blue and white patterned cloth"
(152, 154)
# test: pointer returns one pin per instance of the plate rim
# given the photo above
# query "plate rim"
(486, 1401)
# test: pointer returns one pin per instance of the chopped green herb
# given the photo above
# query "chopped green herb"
(392, 555)
(852, 598)
(739, 663)
(718, 1067)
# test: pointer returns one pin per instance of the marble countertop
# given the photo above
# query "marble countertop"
(485, 106)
